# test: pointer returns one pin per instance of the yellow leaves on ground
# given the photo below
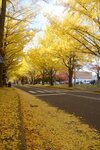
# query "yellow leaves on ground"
(48, 128)
(8, 120)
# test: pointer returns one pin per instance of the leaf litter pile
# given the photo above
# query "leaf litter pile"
(45, 127)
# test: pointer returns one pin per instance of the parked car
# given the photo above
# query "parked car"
(64, 82)
(86, 82)
(93, 82)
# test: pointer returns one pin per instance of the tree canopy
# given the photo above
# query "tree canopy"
(69, 43)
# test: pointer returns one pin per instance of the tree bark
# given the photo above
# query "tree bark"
(2, 22)
(98, 77)
(70, 77)
(1, 74)
(43, 76)
(51, 77)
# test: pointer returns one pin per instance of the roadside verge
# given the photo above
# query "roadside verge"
(45, 127)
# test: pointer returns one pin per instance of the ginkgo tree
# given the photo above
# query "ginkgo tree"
(66, 51)
(17, 33)
(52, 62)
(15, 39)
(57, 51)
(42, 59)
(82, 23)
(68, 43)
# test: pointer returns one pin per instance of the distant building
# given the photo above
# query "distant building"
(78, 77)
(83, 77)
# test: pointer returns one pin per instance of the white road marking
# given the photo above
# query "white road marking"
(32, 92)
(40, 91)
(50, 94)
(84, 96)
(48, 91)
(59, 91)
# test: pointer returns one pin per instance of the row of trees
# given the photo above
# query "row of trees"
(69, 43)
(15, 33)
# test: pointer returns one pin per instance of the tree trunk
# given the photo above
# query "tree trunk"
(4, 76)
(43, 76)
(51, 77)
(32, 80)
(98, 77)
(2, 21)
(70, 77)
(42, 80)
(1, 74)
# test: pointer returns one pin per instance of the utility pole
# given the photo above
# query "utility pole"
(2, 22)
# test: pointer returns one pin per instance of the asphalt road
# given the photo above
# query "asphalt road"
(84, 105)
